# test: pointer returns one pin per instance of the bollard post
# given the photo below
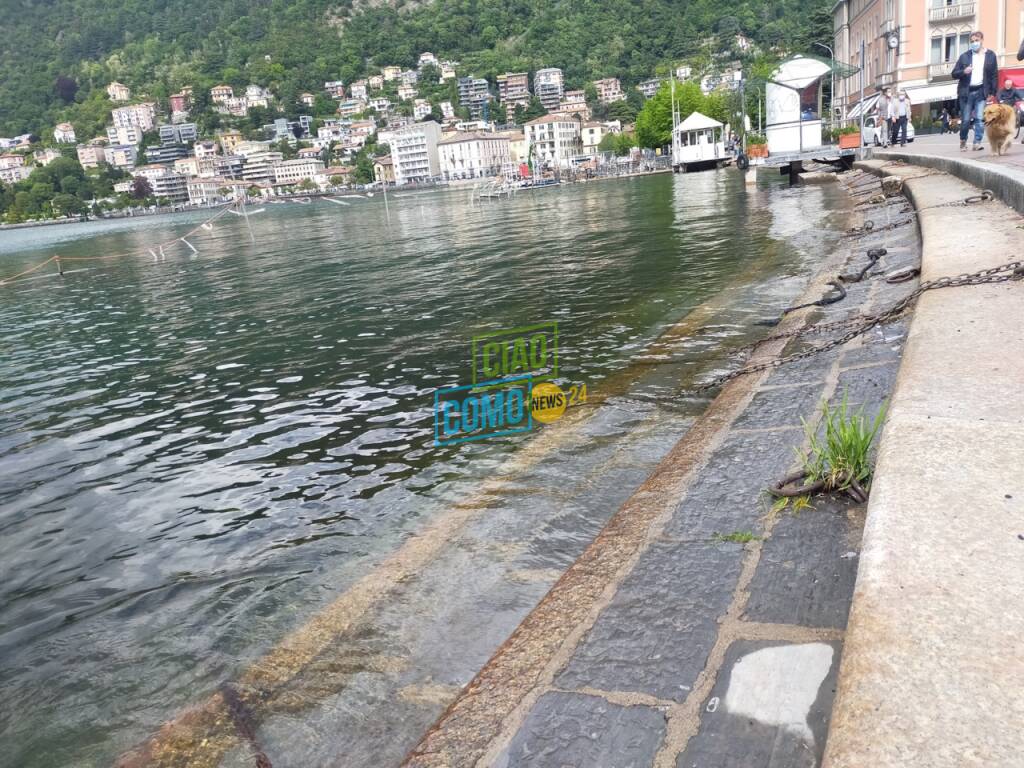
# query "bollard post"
(60, 269)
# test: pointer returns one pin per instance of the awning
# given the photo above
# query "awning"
(698, 122)
(929, 93)
(867, 105)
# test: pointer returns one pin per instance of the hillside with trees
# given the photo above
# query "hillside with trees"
(61, 54)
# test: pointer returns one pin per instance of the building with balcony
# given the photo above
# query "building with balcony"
(549, 86)
(427, 59)
(122, 155)
(293, 171)
(609, 90)
(142, 116)
(391, 73)
(553, 140)
(573, 103)
(181, 101)
(229, 166)
(351, 108)
(64, 133)
(514, 88)
(118, 92)
(649, 87)
(406, 92)
(91, 155)
(165, 154)
(414, 153)
(182, 133)
(447, 70)
(421, 108)
(474, 155)
(913, 45)
(335, 89)
(474, 92)
(358, 90)
(260, 166)
(221, 93)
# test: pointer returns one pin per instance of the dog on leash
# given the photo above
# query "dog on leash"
(1000, 123)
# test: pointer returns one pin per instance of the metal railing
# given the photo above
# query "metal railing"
(941, 70)
(947, 12)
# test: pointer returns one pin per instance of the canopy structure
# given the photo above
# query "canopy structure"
(698, 122)
(864, 106)
(929, 93)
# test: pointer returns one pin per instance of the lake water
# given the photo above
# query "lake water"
(205, 458)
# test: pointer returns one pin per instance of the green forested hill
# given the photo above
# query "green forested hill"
(158, 46)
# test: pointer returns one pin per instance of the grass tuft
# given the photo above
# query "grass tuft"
(842, 456)
(738, 537)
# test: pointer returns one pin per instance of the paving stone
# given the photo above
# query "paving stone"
(813, 368)
(571, 729)
(808, 567)
(729, 492)
(655, 635)
(867, 387)
(769, 708)
(780, 407)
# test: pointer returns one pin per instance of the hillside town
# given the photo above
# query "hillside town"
(394, 127)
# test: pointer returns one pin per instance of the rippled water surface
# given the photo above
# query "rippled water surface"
(198, 456)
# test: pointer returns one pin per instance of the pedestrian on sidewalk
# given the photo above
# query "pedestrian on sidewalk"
(944, 120)
(976, 76)
(884, 118)
(900, 114)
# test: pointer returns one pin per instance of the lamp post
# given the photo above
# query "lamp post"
(832, 89)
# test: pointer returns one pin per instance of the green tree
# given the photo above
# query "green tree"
(68, 205)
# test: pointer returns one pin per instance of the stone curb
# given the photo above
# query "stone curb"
(933, 666)
(1006, 183)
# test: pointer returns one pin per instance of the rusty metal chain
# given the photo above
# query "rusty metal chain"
(1013, 270)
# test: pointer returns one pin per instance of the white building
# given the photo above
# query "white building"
(260, 166)
(11, 161)
(447, 110)
(124, 134)
(414, 153)
(164, 182)
(427, 59)
(358, 90)
(447, 70)
(91, 155)
(14, 174)
(380, 104)
(421, 108)
(45, 156)
(118, 91)
(391, 73)
(206, 157)
(351, 107)
(553, 140)
(221, 93)
(376, 82)
(591, 134)
(203, 191)
(142, 116)
(406, 92)
(257, 96)
(64, 133)
(549, 86)
(573, 103)
(292, 171)
(474, 155)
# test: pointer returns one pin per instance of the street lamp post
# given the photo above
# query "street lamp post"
(832, 90)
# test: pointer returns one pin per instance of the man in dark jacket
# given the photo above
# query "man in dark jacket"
(976, 73)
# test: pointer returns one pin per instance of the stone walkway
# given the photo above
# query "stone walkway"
(702, 628)
(949, 146)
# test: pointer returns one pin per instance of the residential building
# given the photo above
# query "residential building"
(914, 44)
(335, 89)
(684, 72)
(124, 134)
(187, 166)
(118, 92)
(122, 155)
(142, 116)
(292, 171)
(649, 87)
(447, 110)
(237, 106)
(375, 82)
(45, 156)
(259, 161)
(384, 170)
(609, 90)
(591, 134)
(221, 93)
(229, 166)
(11, 161)
(573, 103)
(516, 145)
(18, 141)
(165, 154)
(257, 96)
(64, 133)
(91, 155)
(308, 99)
(358, 90)
(409, 77)
(474, 93)
(229, 140)
(381, 104)
(182, 133)
(406, 92)
(181, 101)
(335, 173)
(514, 88)
(447, 70)
(553, 140)
(210, 190)
(362, 128)
(164, 182)
(15, 174)
(414, 153)
(282, 128)
(549, 86)
(351, 107)
(206, 156)
(421, 108)
(427, 59)
(473, 155)
(391, 73)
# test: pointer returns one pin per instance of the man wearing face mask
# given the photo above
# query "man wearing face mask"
(976, 76)
(899, 114)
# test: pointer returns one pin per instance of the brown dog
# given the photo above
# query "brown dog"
(1000, 123)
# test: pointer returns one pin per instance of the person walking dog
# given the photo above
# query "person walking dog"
(976, 74)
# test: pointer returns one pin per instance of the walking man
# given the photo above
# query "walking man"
(976, 76)
(885, 117)
(899, 113)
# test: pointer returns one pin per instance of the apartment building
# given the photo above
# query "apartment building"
(474, 92)
(609, 90)
(414, 153)
(649, 87)
(293, 171)
(91, 155)
(122, 155)
(549, 86)
(421, 108)
(64, 133)
(335, 89)
(913, 45)
(182, 133)
(124, 134)
(514, 88)
(473, 155)
(221, 93)
(142, 116)
(553, 140)
(573, 103)
(118, 91)
(391, 73)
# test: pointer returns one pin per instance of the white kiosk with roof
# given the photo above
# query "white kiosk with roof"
(698, 143)
(792, 99)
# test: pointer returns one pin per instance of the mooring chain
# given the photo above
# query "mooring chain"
(1013, 270)
(869, 226)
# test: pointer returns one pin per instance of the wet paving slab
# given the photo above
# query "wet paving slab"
(720, 647)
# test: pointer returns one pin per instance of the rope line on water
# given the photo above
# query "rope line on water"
(147, 250)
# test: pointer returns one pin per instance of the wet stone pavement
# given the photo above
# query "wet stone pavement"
(721, 646)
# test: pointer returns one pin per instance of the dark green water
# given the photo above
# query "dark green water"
(198, 455)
